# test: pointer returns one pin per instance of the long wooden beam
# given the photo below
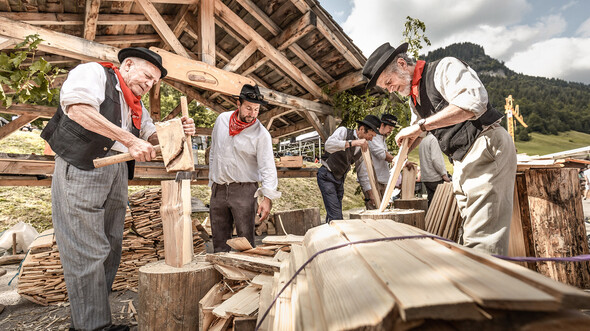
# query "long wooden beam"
(128, 39)
(191, 93)
(285, 100)
(206, 31)
(347, 82)
(31, 110)
(90, 18)
(6, 42)
(291, 129)
(60, 43)
(16, 124)
(78, 19)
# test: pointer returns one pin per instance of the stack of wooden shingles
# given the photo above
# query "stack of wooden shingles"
(143, 237)
(41, 277)
(443, 217)
(402, 284)
(233, 303)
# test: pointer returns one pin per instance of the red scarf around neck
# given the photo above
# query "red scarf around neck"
(416, 79)
(131, 99)
(236, 126)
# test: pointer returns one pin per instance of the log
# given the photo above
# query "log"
(164, 293)
(408, 183)
(177, 223)
(413, 203)
(557, 221)
(296, 221)
(406, 216)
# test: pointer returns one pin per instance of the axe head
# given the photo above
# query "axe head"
(182, 175)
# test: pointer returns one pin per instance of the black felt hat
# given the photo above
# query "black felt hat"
(143, 53)
(372, 121)
(380, 58)
(389, 119)
(252, 94)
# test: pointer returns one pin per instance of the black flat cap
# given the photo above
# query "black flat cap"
(252, 94)
(389, 119)
(143, 53)
(380, 58)
(372, 121)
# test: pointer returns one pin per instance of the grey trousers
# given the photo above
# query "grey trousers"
(88, 216)
(232, 204)
(483, 183)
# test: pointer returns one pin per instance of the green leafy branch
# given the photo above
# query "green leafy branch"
(22, 82)
(414, 34)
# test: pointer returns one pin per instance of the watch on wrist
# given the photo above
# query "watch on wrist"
(421, 124)
(349, 143)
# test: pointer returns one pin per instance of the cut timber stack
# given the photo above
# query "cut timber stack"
(233, 303)
(41, 278)
(443, 218)
(417, 283)
(406, 216)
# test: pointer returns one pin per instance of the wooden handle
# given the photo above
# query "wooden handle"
(114, 159)
(394, 174)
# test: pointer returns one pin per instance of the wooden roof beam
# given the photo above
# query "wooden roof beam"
(192, 93)
(291, 130)
(161, 27)
(347, 82)
(128, 39)
(31, 110)
(206, 31)
(16, 124)
(176, 2)
(90, 18)
(6, 42)
(78, 19)
(241, 57)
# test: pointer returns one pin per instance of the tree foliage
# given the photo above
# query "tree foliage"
(414, 34)
(27, 82)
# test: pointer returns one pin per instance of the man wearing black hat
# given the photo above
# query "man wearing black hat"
(100, 114)
(241, 156)
(343, 148)
(448, 99)
(381, 160)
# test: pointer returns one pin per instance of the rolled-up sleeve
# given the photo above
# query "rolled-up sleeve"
(460, 86)
(267, 168)
(85, 84)
(337, 141)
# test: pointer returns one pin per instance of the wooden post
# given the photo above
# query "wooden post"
(397, 168)
(169, 297)
(372, 177)
(176, 222)
(406, 216)
(408, 183)
(557, 220)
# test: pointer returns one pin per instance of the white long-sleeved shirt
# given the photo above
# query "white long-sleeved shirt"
(378, 149)
(432, 164)
(244, 158)
(86, 84)
(459, 85)
(337, 142)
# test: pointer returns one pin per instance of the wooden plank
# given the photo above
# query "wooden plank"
(347, 82)
(419, 291)
(241, 57)
(90, 18)
(155, 110)
(408, 183)
(176, 222)
(239, 244)
(176, 149)
(397, 168)
(234, 273)
(26, 109)
(60, 19)
(261, 280)
(161, 27)
(288, 130)
(287, 240)
(193, 94)
(313, 119)
(257, 264)
(16, 124)
(372, 178)
(243, 303)
(6, 42)
(289, 101)
(128, 39)
(206, 31)
(295, 31)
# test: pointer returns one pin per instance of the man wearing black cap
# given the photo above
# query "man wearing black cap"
(448, 99)
(381, 160)
(100, 114)
(241, 156)
(343, 148)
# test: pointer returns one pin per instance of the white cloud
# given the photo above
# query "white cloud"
(564, 58)
(584, 29)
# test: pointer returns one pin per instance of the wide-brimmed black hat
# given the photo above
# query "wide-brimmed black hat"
(372, 121)
(252, 94)
(389, 119)
(143, 53)
(379, 60)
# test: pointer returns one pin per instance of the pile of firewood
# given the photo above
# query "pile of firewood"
(233, 302)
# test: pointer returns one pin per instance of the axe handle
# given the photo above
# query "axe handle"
(105, 161)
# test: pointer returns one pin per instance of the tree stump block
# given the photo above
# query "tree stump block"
(407, 216)
(169, 297)
(296, 221)
(413, 203)
(557, 222)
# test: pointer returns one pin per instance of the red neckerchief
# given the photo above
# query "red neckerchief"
(416, 79)
(131, 99)
(236, 126)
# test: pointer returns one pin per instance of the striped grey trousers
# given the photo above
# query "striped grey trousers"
(88, 212)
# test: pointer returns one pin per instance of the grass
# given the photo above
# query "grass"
(33, 204)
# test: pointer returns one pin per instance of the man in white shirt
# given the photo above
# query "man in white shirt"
(432, 165)
(100, 114)
(381, 159)
(342, 149)
(241, 156)
(587, 178)
(448, 99)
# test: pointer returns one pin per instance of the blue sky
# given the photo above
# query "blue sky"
(535, 37)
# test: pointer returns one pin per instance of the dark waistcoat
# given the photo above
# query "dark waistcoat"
(340, 162)
(79, 146)
(454, 140)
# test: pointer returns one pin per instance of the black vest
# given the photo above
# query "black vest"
(340, 162)
(79, 146)
(454, 140)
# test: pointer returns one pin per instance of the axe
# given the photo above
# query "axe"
(175, 148)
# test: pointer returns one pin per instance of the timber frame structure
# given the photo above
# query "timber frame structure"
(293, 49)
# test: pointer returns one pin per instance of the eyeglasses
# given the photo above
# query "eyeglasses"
(254, 96)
